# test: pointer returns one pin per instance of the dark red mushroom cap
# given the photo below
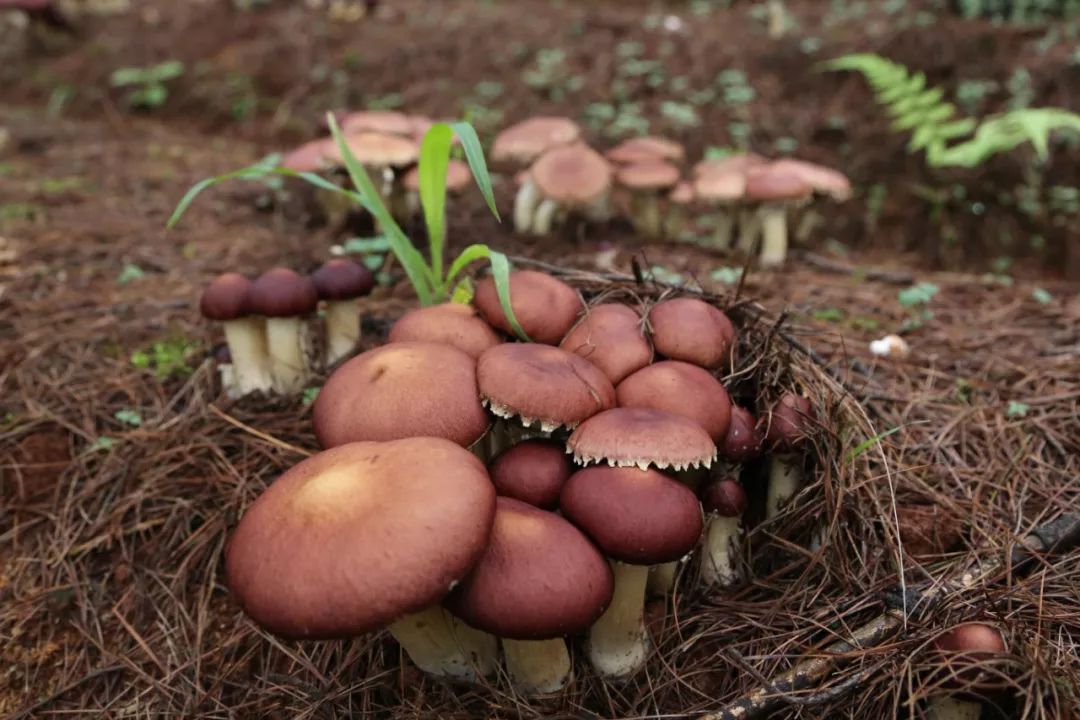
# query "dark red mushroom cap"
(401, 390)
(641, 517)
(791, 420)
(341, 279)
(353, 538)
(544, 306)
(282, 292)
(743, 440)
(966, 654)
(533, 471)
(680, 388)
(539, 577)
(450, 323)
(725, 498)
(640, 437)
(226, 298)
(610, 336)
(692, 330)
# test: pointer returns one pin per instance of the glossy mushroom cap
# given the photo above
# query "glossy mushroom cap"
(740, 163)
(636, 437)
(544, 306)
(692, 330)
(353, 538)
(401, 390)
(791, 420)
(610, 336)
(771, 184)
(967, 653)
(743, 441)
(524, 142)
(539, 577)
(650, 175)
(725, 498)
(679, 388)
(309, 157)
(450, 323)
(721, 187)
(281, 292)
(226, 298)
(572, 176)
(342, 279)
(386, 122)
(542, 384)
(822, 179)
(378, 150)
(533, 471)
(458, 177)
(641, 517)
(646, 149)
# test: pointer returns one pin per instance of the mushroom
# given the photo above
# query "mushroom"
(789, 423)
(533, 471)
(387, 122)
(693, 331)
(539, 580)
(226, 301)
(681, 197)
(967, 653)
(545, 307)
(340, 282)
(637, 437)
(724, 502)
(774, 190)
(284, 298)
(365, 536)
(522, 143)
(647, 183)
(647, 148)
(679, 388)
(382, 155)
(309, 157)
(565, 179)
(823, 180)
(450, 323)
(740, 162)
(458, 178)
(610, 336)
(405, 389)
(638, 518)
(722, 190)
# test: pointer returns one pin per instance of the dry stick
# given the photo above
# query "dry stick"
(1057, 536)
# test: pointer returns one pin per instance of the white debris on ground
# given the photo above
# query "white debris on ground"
(890, 346)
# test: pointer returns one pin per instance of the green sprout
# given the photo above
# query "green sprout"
(148, 89)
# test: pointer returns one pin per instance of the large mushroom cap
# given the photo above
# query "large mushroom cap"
(572, 176)
(374, 149)
(354, 538)
(226, 298)
(533, 471)
(648, 175)
(743, 440)
(401, 390)
(610, 336)
(770, 183)
(642, 517)
(281, 292)
(524, 142)
(679, 388)
(309, 157)
(450, 323)
(646, 149)
(725, 498)
(692, 330)
(386, 122)
(539, 577)
(542, 384)
(342, 279)
(636, 437)
(791, 420)
(544, 306)
(822, 179)
(458, 177)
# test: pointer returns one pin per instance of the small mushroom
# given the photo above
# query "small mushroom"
(458, 179)
(533, 471)
(339, 283)
(226, 300)
(722, 190)
(387, 122)
(693, 331)
(383, 155)
(823, 180)
(285, 298)
(565, 179)
(774, 190)
(681, 198)
(450, 323)
(521, 143)
(645, 149)
(967, 654)
(789, 423)
(724, 502)
(545, 307)
(610, 336)
(309, 157)
(638, 437)
(647, 183)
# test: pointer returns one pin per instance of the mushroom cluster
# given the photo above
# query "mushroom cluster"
(492, 501)
(266, 323)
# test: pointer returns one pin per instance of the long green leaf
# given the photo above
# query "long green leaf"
(474, 153)
(434, 160)
(500, 273)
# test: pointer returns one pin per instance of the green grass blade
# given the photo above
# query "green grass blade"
(434, 160)
(500, 272)
(474, 153)
(865, 445)
(189, 197)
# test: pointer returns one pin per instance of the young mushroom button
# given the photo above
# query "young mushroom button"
(610, 336)
(966, 655)
(724, 502)
(285, 298)
(693, 331)
(226, 300)
(545, 307)
(533, 471)
(789, 423)
(339, 283)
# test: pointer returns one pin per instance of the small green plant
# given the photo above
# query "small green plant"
(947, 139)
(147, 86)
(916, 299)
(166, 358)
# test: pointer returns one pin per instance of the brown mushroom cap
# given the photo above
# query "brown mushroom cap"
(533, 471)
(281, 292)
(648, 175)
(342, 279)
(642, 517)
(683, 193)
(386, 122)
(525, 141)
(638, 437)
(610, 336)
(791, 420)
(539, 577)
(967, 653)
(725, 498)
(544, 306)
(450, 323)
(542, 384)
(822, 179)
(743, 440)
(355, 537)
(646, 149)
(458, 177)
(679, 388)
(309, 157)
(407, 389)
(226, 298)
(572, 176)
(692, 330)
(740, 163)
(721, 187)
(768, 184)
(377, 150)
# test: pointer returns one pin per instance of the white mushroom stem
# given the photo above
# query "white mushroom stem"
(950, 708)
(528, 197)
(749, 228)
(618, 643)
(246, 338)
(785, 479)
(725, 229)
(544, 217)
(775, 237)
(439, 644)
(537, 667)
(720, 550)
(288, 361)
(599, 210)
(342, 329)
(648, 219)
(674, 221)
(662, 578)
